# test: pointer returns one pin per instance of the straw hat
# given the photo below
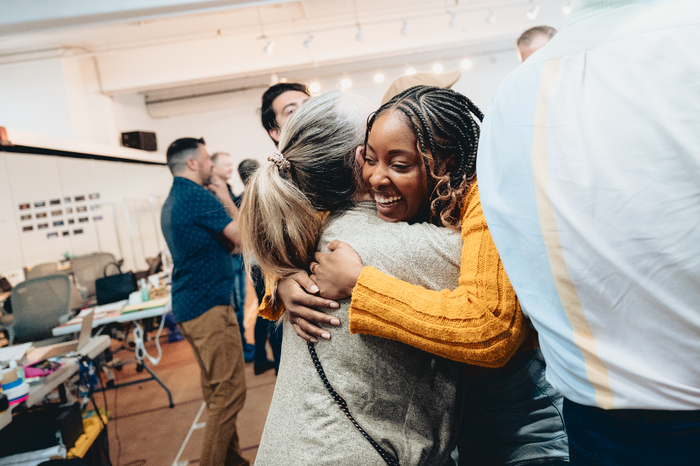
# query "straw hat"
(402, 83)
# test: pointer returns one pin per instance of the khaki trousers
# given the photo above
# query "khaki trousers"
(216, 341)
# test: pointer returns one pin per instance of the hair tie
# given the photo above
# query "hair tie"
(282, 163)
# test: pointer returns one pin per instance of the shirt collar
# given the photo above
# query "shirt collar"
(582, 9)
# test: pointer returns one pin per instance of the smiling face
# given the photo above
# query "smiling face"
(394, 169)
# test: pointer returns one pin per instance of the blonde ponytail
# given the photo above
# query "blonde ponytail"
(278, 224)
(280, 218)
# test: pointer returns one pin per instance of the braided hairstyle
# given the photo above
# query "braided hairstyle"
(444, 125)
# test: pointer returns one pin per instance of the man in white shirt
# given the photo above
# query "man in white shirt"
(589, 173)
(532, 40)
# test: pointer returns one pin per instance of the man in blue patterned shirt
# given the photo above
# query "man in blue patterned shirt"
(200, 229)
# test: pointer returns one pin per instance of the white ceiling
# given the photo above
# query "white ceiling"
(174, 47)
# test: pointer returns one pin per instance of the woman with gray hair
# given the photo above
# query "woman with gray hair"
(355, 399)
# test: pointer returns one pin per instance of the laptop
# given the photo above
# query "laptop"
(68, 348)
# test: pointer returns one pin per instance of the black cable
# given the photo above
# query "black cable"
(91, 396)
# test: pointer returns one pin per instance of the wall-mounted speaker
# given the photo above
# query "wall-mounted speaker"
(143, 140)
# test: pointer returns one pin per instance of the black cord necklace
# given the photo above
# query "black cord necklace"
(342, 404)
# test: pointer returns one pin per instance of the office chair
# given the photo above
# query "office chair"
(39, 305)
(42, 270)
(77, 297)
(88, 268)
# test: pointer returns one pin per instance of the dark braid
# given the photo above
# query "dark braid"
(444, 124)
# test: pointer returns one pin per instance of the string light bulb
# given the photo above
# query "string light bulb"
(359, 35)
(437, 68)
(491, 18)
(315, 88)
(567, 9)
(534, 11)
(379, 78)
(345, 84)
(307, 42)
(453, 21)
(269, 48)
(404, 29)
(410, 71)
(466, 64)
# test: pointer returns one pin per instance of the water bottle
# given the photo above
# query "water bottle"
(143, 287)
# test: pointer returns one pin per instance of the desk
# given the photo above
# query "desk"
(38, 392)
(113, 314)
(119, 313)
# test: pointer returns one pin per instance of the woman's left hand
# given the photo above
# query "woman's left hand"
(336, 273)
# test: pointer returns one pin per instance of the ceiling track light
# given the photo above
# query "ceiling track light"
(404, 29)
(491, 18)
(307, 42)
(534, 11)
(453, 21)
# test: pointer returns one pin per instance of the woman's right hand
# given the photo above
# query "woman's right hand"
(297, 294)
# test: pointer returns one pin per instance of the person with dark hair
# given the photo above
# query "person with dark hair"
(533, 39)
(223, 170)
(278, 104)
(246, 169)
(201, 234)
(510, 407)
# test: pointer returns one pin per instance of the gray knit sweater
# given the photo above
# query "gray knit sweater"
(408, 400)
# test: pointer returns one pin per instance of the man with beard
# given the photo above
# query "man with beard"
(201, 233)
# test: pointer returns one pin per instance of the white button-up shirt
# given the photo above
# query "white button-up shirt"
(589, 174)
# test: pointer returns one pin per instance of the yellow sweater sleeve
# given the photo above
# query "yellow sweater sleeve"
(269, 311)
(479, 323)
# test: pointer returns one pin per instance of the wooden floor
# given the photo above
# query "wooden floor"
(143, 430)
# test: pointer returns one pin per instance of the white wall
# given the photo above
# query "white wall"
(59, 98)
(231, 122)
(64, 99)
(125, 189)
(33, 98)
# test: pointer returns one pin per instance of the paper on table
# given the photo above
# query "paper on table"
(105, 308)
(15, 352)
(146, 305)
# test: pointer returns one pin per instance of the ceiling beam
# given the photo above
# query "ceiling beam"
(30, 16)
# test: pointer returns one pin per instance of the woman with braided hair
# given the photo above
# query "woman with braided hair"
(512, 414)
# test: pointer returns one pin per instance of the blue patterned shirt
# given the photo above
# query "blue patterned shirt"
(192, 221)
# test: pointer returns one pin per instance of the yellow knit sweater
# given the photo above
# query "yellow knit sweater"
(479, 323)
